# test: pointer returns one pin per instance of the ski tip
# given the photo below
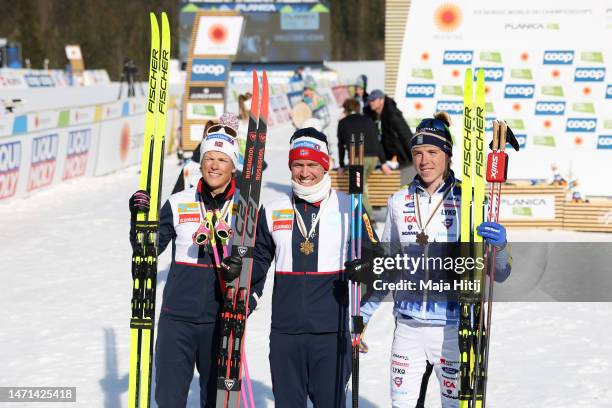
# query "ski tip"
(164, 18)
(255, 96)
(264, 96)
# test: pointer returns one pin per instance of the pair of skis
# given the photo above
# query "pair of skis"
(235, 308)
(356, 162)
(144, 258)
(474, 334)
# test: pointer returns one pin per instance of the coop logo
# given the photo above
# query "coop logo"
(549, 108)
(77, 153)
(603, 142)
(581, 125)
(452, 107)
(590, 74)
(609, 92)
(519, 91)
(522, 141)
(209, 70)
(492, 74)
(10, 162)
(420, 90)
(42, 167)
(457, 57)
(558, 57)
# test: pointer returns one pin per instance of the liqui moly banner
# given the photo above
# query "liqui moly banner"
(551, 82)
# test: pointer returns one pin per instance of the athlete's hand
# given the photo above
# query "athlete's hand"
(140, 201)
(386, 169)
(493, 233)
(230, 268)
(359, 270)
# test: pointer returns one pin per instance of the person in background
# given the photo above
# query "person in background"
(315, 102)
(395, 133)
(361, 94)
(354, 123)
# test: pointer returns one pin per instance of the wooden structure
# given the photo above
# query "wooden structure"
(595, 215)
(380, 187)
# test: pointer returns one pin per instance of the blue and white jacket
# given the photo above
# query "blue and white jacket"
(310, 291)
(401, 226)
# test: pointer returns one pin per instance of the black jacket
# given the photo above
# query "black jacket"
(355, 124)
(395, 133)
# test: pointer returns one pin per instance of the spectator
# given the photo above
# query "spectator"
(354, 123)
(361, 93)
(394, 131)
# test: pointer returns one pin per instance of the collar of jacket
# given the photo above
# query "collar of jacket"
(219, 199)
(298, 200)
(448, 183)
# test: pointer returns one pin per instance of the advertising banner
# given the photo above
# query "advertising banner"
(548, 80)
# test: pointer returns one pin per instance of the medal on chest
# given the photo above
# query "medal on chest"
(306, 247)
(422, 238)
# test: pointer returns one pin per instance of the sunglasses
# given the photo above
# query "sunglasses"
(216, 128)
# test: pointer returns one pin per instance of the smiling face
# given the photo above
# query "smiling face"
(217, 169)
(430, 163)
(306, 172)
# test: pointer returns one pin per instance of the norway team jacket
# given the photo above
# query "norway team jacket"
(310, 291)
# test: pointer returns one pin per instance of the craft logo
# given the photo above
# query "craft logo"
(603, 142)
(77, 153)
(420, 90)
(581, 125)
(457, 57)
(451, 107)
(207, 70)
(558, 57)
(205, 93)
(491, 74)
(590, 74)
(10, 162)
(519, 91)
(609, 92)
(44, 155)
(549, 108)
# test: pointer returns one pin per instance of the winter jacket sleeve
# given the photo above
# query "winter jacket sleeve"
(402, 130)
(263, 255)
(165, 232)
(503, 263)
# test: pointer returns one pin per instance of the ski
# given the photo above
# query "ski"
(472, 213)
(144, 258)
(356, 162)
(235, 308)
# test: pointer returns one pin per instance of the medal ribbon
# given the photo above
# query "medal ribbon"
(300, 220)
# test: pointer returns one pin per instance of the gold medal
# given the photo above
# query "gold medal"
(307, 247)
(422, 238)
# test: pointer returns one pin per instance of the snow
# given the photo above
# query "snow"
(66, 304)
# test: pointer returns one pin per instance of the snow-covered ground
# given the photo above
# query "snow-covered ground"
(65, 302)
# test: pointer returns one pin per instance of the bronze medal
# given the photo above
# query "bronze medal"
(422, 238)
(306, 247)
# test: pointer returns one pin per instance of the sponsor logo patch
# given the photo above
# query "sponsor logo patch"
(282, 214)
(188, 207)
(189, 217)
(282, 225)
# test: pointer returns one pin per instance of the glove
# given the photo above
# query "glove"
(230, 268)
(493, 233)
(139, 202)
(359, 270)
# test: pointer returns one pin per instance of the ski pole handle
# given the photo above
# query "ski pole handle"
(201, 236)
